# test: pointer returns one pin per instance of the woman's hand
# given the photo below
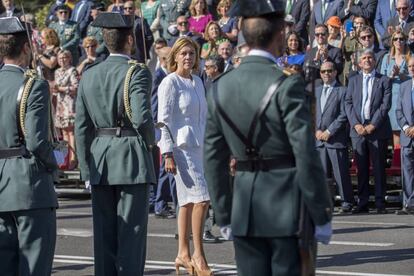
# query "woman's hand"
(395, 71)
(170, 165)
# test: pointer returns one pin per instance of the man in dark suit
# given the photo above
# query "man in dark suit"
(143, 38)
(10, 9)
(300, 10)
(225, 50)
(405, 118)
(81, 14)
(27, 197)
(402, 20)
(321, 12)
(323, 51)
(363, 8)
(277, 166)
(370, 127)
(183, 30)
(332, 132)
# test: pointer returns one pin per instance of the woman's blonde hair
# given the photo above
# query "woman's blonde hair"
(406, 52)
(192, 7)
(178, 45)
(51, 37)
(221, 4)
(207, 36)
(89, 40)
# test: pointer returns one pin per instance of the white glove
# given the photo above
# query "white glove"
(226, 232)
(323, 233)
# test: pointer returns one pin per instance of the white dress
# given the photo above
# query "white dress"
(182, 107)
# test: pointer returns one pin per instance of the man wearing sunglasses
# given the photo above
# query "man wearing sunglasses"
(332, 134)
(68, 32)
(402, 20)
(183, 30)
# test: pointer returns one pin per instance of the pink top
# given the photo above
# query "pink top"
(200, 24)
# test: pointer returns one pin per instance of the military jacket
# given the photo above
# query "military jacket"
(25, 182)
(264, 203)
(69, 36)
(114, 160)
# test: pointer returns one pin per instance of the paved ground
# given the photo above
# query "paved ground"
(377, 245)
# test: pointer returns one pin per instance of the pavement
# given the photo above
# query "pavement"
(362, 245)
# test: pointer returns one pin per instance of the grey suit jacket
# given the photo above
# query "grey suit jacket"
(334, 8)
(404, 111)
(332, 117)
(380, 105)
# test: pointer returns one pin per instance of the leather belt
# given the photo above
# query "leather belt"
(13, 152)
(281, 162)
(116, 132)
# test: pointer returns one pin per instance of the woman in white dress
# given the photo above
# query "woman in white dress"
(182, 108)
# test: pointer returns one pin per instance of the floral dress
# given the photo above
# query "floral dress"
(65, 105)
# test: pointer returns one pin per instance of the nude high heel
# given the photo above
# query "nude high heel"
(188, 265)
(200, 272)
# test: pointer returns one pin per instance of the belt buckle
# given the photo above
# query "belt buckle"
(118, 132)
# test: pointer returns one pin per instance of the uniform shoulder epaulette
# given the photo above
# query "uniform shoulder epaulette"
(222, 74)
(136, 63)
(31, 73)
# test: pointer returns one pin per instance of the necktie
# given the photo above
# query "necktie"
(324, 97)
(288, 6)
(364, 96)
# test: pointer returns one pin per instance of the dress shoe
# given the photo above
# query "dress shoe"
(360, 210)
(403, 211)
(208, 237)
(200, 272)
(165, 214)
(381, 211)
(346, 208)
(187, 265)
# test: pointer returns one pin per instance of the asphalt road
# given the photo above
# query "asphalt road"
(376, 245)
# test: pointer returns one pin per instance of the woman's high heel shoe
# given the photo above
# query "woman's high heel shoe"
(200, 272)
(188, 265)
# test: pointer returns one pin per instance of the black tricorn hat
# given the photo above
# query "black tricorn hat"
(256, 8)
(12, 25)
(114, 20)
(98, 6)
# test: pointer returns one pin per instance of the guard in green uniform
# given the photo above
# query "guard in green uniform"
(258, 115)
(27, 198)
(96, 32)
(68, 32)
(114, 134)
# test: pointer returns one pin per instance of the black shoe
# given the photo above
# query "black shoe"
(403, 211)
(165, 214)
(209, 238)
(381, 211)
(360, 210)
(346, 208)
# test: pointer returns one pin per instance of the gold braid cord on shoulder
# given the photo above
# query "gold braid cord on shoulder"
(30, 79)
(133, 65)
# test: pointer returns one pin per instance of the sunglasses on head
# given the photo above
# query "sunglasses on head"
(329, 71)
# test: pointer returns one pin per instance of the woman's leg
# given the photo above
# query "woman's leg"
(197, 222)
(71, 142)
(184, 227)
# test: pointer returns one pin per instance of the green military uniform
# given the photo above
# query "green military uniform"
(96, 32)
(27, 196)
(119, 167)
(69, 36)
(263, 206)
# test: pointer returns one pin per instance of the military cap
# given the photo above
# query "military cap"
(114, 20)
(256, 8)
(62, 7)
(11, 25)
(98, 6)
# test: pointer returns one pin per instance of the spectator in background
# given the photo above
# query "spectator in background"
(154, 62)
(184, 30)
(336, 35)
(170, 10)
(81, 14)
(362, 8)
(199, 17)
(95, 31)
(213, 37)
(225, 50)
(51, 16)
(322, 11)
(410, 40)
(395, 66)
(289, 23)
(47, 55)
(403, 20)
(142, 32)
(238, 55)
(116, 6)
(227, 24)
(66, 86)
(151, 12)
(384, 12)
(294, 53)
(89, 44)
(10, 9)
(213, 67)
(299, 9)
(68, 32)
